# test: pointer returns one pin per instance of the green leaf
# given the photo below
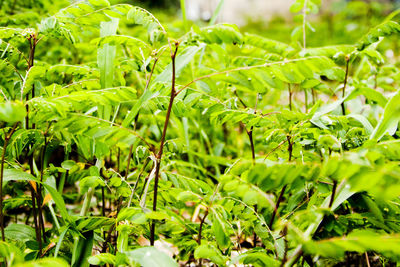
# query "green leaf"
(10, 253)
(150, 257)
(370, 94)
(6, 33)
(68, 164)
(106, 54)
(364, 121)
(187, 196)
(102, 259)
(255, 258)
(107, 97)
(90, 182)
(113, 40)
(325, 109)
(33, 74)
(335, 52)
(266, 44)
(93, 223)
(143, 17)
(219, 228)
(83, 250)
(45, 262)
(100, 3)
(390, 118)
(382, 30)
(58, 199)
(19, 232)
(210, 252)
(297, 6)
(18, 175)
(220, 33)
(184, 57)
(134, 215)
(357, 241)
(12, 112)
(373, 208)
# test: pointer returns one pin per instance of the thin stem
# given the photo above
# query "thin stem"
(278, 202)
(37, 230)
(64, 176)
(254, 232)
(240, 99)
(250, 134)
(34, 192)
(129, 162)
(277, 147)
(34, 203)
(376, 79)
(53, 214)
(216, 12)
(103, 202)
(313, 94)
(39, 192)
(151, 73)
(108, 239)
(15, 69)
(306, 100)
(110, 231)
(333, 193)
(253, 153)
(140, 175)
(344, 85)
(40, 212)
(295, 258)
(290, 146)
(367, 259)
(201, 227)
(284, 234)
(86, 202)
(118, 159)
(160, 151)
(6, 140)
(290, 96)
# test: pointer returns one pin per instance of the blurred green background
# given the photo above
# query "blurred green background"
(337, 21)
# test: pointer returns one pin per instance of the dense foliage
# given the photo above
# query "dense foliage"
(125, 142)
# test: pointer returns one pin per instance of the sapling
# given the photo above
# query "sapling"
(162, 141)
(32, 37)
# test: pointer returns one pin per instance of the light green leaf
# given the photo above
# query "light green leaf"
(184, 57)
(18, 175)
(19, 232)
(382, 30)
(389, 119)
(209, 252)
(45, 262)
(102, 259)
(150, 257)
(106, 54)
(357, 241)
(12, 112)
(219, 228)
